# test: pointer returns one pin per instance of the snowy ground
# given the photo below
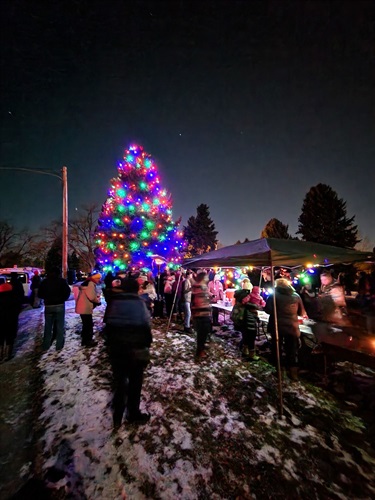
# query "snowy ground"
(214, 433)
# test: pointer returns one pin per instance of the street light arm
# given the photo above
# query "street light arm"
(38, 171)
(64, 179)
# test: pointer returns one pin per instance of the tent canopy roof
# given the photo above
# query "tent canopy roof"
(278, 252)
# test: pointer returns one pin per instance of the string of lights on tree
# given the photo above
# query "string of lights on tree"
(136, 224)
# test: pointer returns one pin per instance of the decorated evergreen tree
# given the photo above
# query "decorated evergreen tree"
(136, 220)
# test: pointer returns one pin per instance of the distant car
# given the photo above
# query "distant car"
(24, 275)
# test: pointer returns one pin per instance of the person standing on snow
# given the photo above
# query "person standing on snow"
(55, 291)
(249, 323)
(128, 334)
(201, 312)
(289, 306)
(186, 289)
(87, 299)
(34, 287)
(216, 291)
(11, 299)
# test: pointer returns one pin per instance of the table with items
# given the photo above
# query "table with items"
(351, 345)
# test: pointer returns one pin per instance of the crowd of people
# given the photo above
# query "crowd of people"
(134, 298)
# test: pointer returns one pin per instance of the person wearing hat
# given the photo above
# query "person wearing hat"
(87, 299)
(289, 306)
(129, 336)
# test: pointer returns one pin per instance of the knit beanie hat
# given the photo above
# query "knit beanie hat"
(246, 285)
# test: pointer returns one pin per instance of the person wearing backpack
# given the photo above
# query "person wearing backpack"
(245, 318)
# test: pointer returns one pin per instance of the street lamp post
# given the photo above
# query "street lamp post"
(64, 179)
(64, 171)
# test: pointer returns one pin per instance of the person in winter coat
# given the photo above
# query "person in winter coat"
(331, 300)
(289, 306)
(34, 287)
(249, 324)
(88, 298)
(128, 333)
(168, 292)
(186, 291)
(178, 295)
(201, 312)
(216, 291)
(11, 299)
(55, 291)
(109, 277)
(148, 294)
(256, 298)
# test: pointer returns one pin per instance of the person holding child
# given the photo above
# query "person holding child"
(249, 324)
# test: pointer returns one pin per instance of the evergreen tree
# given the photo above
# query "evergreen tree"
(136, 220)
(323, 219)
(73, 262)
(275, 229)
(200, 232)
(54, 255)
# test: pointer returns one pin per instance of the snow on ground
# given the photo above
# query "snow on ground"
(214, 431)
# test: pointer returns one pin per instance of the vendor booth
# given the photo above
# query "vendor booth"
(273, 252)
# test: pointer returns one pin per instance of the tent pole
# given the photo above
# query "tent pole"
(277, 342)
(174, 298)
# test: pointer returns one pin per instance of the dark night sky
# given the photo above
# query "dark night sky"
(243, 104)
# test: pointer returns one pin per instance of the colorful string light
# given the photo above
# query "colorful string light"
(136, 219)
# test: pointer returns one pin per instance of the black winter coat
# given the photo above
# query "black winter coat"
(128, 321)
(251, 315)
(54, 291)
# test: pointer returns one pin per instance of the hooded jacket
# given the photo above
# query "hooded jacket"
(87, 298)
(289, 305)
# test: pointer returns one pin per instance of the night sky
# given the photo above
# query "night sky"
(243, 104)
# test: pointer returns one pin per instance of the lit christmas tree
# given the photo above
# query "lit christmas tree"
(135, 224)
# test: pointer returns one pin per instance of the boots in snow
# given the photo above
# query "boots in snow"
(253, 356)
(245, 352)
(293, 373)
